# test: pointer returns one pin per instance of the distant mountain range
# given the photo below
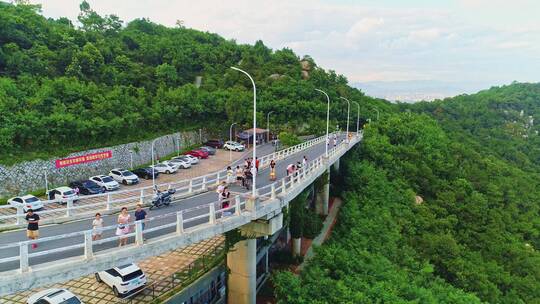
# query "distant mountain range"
(417, 90)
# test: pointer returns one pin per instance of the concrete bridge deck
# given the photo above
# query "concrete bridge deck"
(66, 251)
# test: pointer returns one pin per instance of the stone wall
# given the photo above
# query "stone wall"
(29, 176)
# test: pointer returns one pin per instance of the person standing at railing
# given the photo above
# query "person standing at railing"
(225, 195)
(97, 226)
(32, 231)
(239, 176)
(140, 215)
(123, 226)
(230, 175)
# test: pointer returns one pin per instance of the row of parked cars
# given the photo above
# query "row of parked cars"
(122, 280)
(111, 182)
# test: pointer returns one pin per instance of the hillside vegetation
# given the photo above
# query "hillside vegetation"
(503, 121)
(474, 238)
(65, 87)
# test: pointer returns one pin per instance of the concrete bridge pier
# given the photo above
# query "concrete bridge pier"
(242, 259)
(323, 196)
(242, 282)
(336, 164)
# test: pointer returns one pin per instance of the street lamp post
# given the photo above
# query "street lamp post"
(131, 159)
(348, 112)
(254, 190)
(178, 145)
(153, 169)
(230, 139)
(268, 126)
(357, 118)
(327, 118)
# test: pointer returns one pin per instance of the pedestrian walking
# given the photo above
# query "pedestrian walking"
(272, 170)
(239, 175)
(225, 200)
(140, 215)
(97, 227)
(123, 226)
(230, 175)
(304, 161)
(248, 177)
(257, 165)
(290, 169)
(32, 231)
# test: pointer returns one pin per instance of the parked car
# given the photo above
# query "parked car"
(197, 153)
(53, 296)
(105, 182)
(123, 279)
(234, 146)
(145, 173)
(209, 150)
(214, 143)
(181, 162)
(124, 176)
(86, 187)
(63, 194)
(165, 168)
(192, 159)
(27, 202)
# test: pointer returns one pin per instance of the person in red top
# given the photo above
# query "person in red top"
(257, 164)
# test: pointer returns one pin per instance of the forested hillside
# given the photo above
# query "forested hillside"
(503, 121)
(473, 238)
(66, 86)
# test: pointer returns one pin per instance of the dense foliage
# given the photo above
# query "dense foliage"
(472, 239)
(502, 121)
(64, 87)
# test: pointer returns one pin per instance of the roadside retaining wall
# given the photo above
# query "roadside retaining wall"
(29, 176)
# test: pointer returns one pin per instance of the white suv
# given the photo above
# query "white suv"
(54, 296)
(63, 195)
(123, 279)
(124, 176)
(233, 146)
(105, 182)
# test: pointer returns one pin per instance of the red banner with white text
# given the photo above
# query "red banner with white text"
(77, 160)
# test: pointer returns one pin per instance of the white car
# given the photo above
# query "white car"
(62, 195)
(233, 146)
(123, 279)
(54, 296)
(27, 202)
(124, 176)
(190, 158)
(105, 182)
(165, 167)
(181, 162)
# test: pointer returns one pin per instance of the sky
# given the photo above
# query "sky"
(468, 44)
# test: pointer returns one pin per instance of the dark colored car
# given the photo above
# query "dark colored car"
(210, 150)
(145, 173)
(86, 187)
(198, 153)
(215, 143)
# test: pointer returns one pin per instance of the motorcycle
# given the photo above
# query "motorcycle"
(162, 198)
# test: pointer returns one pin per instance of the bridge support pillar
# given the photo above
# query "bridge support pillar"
(336, 164)
(321, 206)
(242, 282)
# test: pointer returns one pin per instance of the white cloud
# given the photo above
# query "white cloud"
(363, 41)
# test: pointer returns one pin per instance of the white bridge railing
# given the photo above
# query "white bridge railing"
(82, 246)
(111, 202)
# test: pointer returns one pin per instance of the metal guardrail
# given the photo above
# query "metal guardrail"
(242, 203)
(110, 202)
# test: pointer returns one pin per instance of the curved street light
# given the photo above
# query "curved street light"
(153, 169)
(268, 126)
(327, 119)
(254, 191)
(230, 139)
(348, 112)
(357, 118)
